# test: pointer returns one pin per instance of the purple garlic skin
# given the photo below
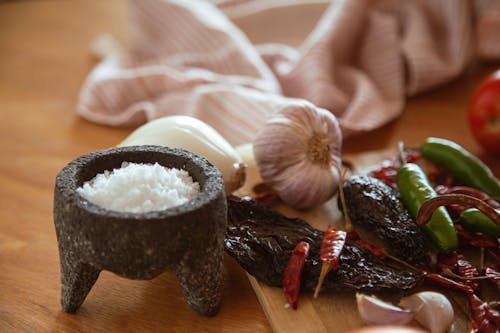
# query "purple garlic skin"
(298, 153)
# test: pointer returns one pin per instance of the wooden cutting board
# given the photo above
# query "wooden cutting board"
(330, 312)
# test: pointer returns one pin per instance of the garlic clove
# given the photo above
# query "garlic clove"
(375, 311)
(386, 329)
(196, 136)
(298, 154)
(432, 310)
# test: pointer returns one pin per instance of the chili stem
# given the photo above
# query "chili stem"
(348, 223)
(401, 155)
(481, 258)
(325, 268)
(402, 262)
(447, 272)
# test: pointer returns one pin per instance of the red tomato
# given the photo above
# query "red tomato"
(484, 113)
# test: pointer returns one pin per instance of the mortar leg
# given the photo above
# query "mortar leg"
(77, 280)
(201, 276)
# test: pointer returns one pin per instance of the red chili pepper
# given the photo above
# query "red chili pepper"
(267, 198)
(495, 253)
(475, 239)
(447, 261)
(291, 277)
(386, 173)
(331, 248)
(352, 235)
(486, 319)
(467, 270)
(493, 272)
(457, 263)
(378, 251)
(440, 176)
(441, 281)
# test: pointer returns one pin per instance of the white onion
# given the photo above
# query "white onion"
(432, 310)
(378, 312)
(196, 136)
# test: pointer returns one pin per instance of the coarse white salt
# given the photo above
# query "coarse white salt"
(138, 188)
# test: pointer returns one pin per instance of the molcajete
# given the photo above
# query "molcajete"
(188, 238)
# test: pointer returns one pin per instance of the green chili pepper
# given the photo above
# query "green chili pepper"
(415, 190)
(472, 219)
(464, 166)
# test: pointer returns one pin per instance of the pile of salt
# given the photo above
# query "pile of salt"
(139, 188)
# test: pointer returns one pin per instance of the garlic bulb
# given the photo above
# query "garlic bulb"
(432, 310)
(298, 154)
(375, 311)
(196, 136)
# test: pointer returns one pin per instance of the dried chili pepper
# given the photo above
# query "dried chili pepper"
(467, 270)
(331, 248)
(475, 239)
(456, 262)
(267, 198)
(495, 253)
(493, 272)
(441, 281)
(261, 240)
(447, 261)
(388, 170)
(486, 319)
(291, 277)
(378, 251)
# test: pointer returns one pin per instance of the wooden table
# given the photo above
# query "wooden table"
(44, 59)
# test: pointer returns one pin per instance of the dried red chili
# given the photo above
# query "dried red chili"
(495, 253)
(456, 262)
(267, 198)
(379, 251)
(291, 277)
(467, 270)
(388, 169)
(475, 239)
(487, 320)
(441, 281)
(493, 272)
(447, 261)
(331, 248)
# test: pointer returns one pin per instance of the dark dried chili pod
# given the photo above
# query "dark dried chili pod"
(261, 240)
(374, 205)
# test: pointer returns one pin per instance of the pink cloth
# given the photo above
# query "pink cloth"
(360, 61)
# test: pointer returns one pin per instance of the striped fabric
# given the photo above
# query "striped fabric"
(360, 61)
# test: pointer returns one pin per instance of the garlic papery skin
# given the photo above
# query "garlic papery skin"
(298, 153)
(196, 136)
(432, 310)
(375, 311)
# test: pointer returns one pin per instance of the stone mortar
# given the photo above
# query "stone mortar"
(188, 238)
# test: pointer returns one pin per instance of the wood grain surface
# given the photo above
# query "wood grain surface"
(44, 58)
